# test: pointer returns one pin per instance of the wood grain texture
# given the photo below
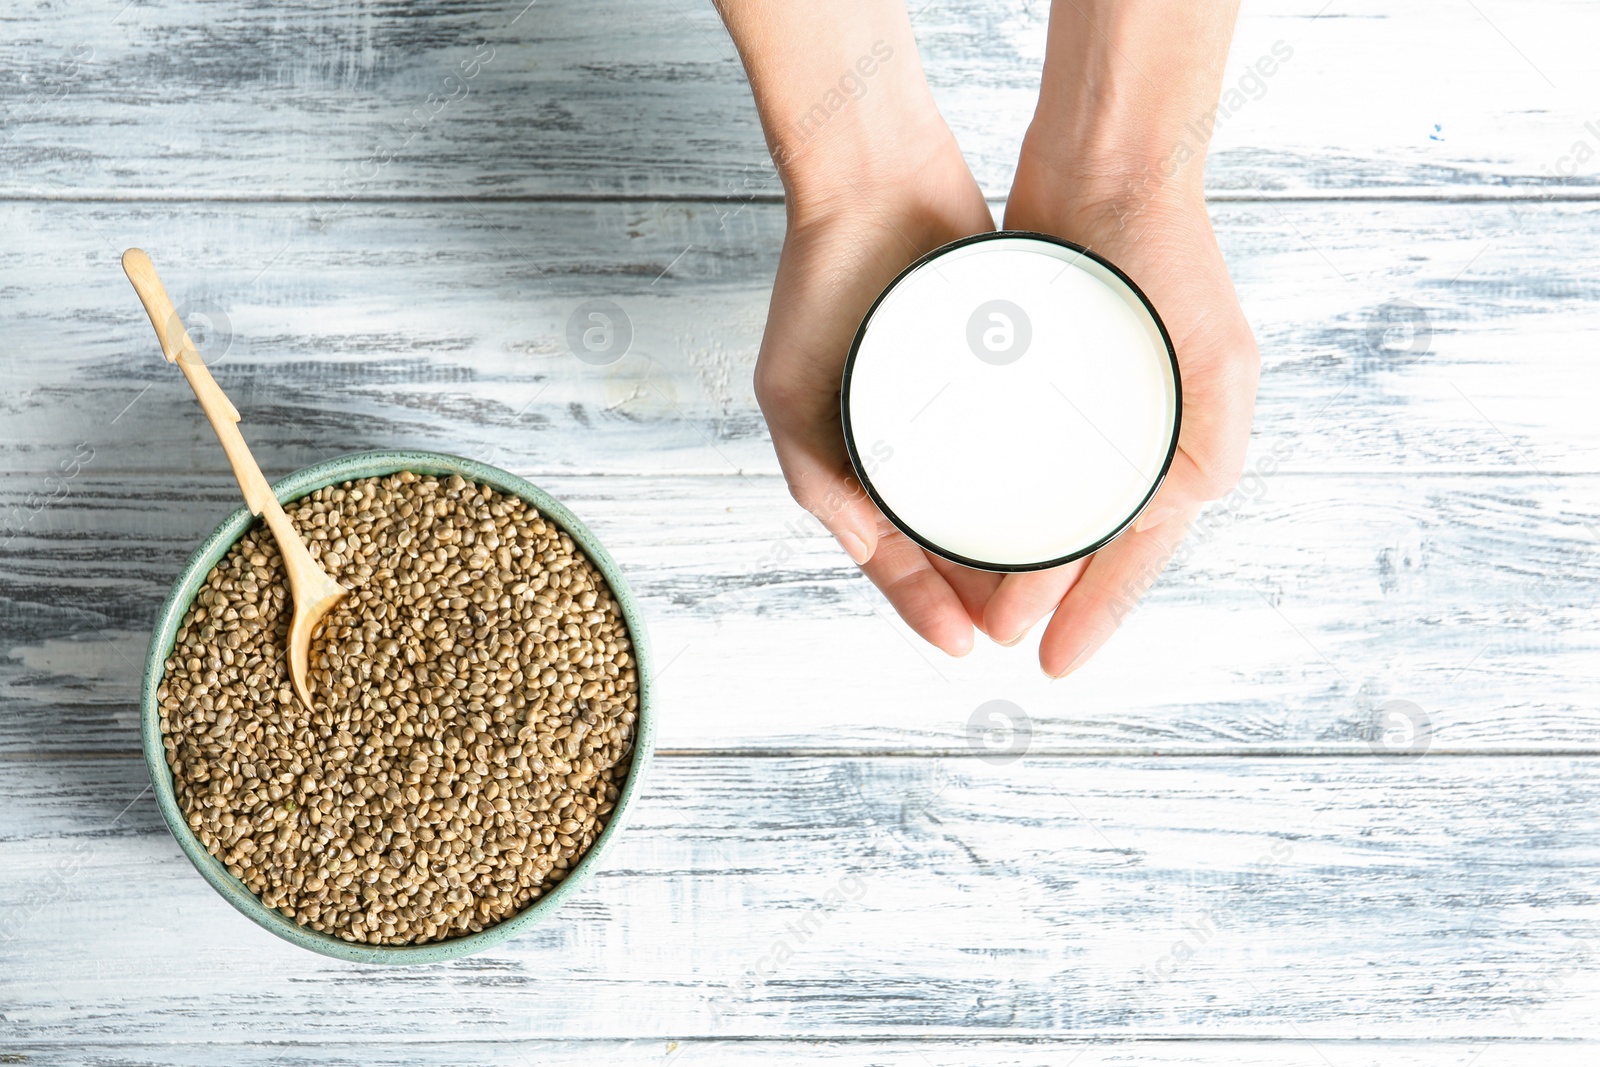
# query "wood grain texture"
(851, 898)
(445, 326)
(240, 101)
(1213, 850)
(1297, 610)
(696, 1052)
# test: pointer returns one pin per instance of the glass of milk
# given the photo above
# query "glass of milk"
(1011, 401)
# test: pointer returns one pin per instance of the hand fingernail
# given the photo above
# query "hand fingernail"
(1077, 660)
(1154, 517)
(853, 545)
(1015, 640)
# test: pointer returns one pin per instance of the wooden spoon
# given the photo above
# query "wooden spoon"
(314, 592)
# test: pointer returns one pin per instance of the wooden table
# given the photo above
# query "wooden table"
(1218, 845)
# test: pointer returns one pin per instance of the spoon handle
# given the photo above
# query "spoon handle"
(179, 349)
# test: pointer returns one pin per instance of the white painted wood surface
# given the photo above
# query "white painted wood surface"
(939, 1052)
(1283, 628)
(847, 1053)
(444, 325)
(890, 897)
(1423, 528)
(182, 98)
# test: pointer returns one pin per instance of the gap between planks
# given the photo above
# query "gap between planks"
(1521, 194)
(1101, 754)
(748, 475)
(961, 1037)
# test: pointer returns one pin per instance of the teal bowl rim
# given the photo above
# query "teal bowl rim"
(215, 547)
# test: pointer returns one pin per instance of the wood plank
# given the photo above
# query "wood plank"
(662, 1052)
(238, 101)
(1425, 534)
(1299, 610)
(1051, 898)
(445, 326)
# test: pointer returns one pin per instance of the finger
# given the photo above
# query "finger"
(798, 390)
(972, 587)
(809, 440)
(1218, 402)
(832, 494)
(1221, 368)
(1108, 590)
(922, 596)
(1023, 599)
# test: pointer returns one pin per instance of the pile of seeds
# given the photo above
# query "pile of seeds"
(474, 707)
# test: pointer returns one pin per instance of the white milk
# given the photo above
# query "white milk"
(1011, 403)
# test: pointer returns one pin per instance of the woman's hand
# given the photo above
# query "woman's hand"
(874, 180)
(839, 254)
(1169, 250)
(1115, 160)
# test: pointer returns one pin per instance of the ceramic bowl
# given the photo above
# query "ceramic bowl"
(184, 590)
